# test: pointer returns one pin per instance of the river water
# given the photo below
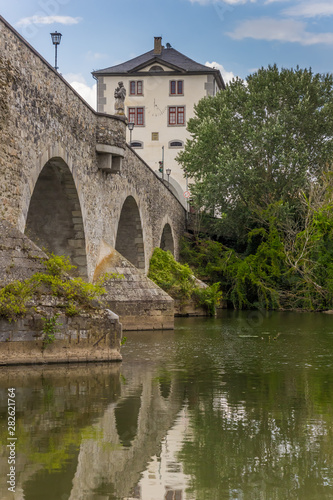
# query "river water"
(238, 407)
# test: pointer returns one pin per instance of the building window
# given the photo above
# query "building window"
(156, 68)
(176, 115)
(136, 144)
(136, 116)
(136, 87)
(176, 144)
(176, 87)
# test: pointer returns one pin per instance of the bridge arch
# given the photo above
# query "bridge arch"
(129, 239)
(54, 217)
(167, 239)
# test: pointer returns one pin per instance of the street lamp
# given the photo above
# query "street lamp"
(130, 128)
(56, 39)
(168, 172)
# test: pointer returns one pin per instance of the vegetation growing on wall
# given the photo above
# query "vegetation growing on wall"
(75, 294)
(179, 281)
(50, 328)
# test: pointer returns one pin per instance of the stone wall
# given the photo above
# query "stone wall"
(92, 335)
(42, 121)
(140, 303)
(95, 337)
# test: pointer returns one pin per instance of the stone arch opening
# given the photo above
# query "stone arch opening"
(129, 241)
(54, 219)
(167, 240)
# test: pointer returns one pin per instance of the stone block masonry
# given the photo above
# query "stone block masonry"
(139, 302)
(92, 335)
(95, 337)
(45, 124)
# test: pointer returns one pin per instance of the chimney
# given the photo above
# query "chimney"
(158, 45)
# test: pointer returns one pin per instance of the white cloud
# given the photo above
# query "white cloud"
(227, 75)
(283, 30)
(74, 77)
(319, 9)
(79, 83)
(229, 2)
(93, 56)
(25, 21)
(274, 1)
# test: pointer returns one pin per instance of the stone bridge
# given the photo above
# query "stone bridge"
(67, 177)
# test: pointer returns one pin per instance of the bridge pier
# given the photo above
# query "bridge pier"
(139, 302)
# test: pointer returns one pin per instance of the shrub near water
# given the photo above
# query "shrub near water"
(77, 293)
(179, 282)
(283, 268)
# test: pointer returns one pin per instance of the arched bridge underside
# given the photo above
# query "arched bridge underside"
(67, 177)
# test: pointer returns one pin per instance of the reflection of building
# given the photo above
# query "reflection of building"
(162, 87)
(164, 476)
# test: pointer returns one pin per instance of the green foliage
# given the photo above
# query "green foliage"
(179, 281)
(259, 156)
(13, 298)
(208, 297)
(77, 293)
(57, 265)
(176, 279)
(259, 142)
(50, 328)
(282, 268)
(71, 309)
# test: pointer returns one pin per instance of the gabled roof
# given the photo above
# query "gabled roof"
(169, 57)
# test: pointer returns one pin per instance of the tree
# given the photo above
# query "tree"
(259, 142)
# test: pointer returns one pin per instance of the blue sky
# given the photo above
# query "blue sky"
(238, 36)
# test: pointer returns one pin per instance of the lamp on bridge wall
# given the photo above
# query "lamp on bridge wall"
(168, 172)
(130, 128)
(56, 39)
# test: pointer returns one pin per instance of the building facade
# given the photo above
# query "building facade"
(162, 87)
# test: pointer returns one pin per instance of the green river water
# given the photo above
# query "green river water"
(238, 407)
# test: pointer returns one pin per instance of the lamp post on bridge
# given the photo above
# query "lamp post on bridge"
(168, 172)
(56, 39)
(130, 126)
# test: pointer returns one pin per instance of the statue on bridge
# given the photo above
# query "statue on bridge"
(119, 95)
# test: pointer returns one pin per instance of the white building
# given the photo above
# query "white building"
(162, 87)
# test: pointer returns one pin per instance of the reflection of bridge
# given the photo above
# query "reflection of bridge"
(117, 425)
(67, 177)
(132, 433)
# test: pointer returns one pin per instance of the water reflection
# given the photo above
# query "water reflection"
(219, 409)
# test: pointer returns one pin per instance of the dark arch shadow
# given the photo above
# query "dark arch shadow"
(167, 239)
(129, 241)
(127, 417)
(54, 218)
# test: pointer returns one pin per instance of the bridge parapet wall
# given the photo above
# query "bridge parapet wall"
(110, 131)
(41, 116)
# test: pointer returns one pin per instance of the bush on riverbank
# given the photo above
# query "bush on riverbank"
(180, 283)
(288, 264)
